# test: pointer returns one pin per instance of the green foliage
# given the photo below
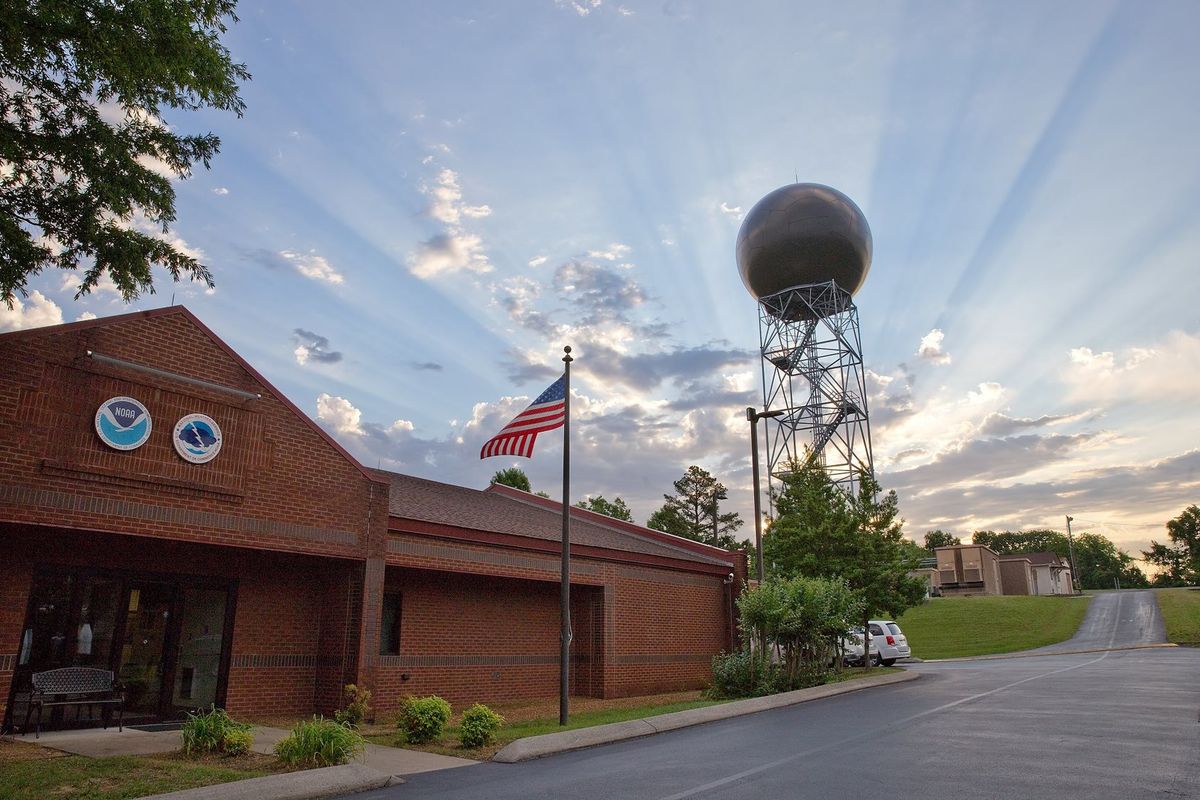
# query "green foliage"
(358, 706)
(320, 742)
(423, 718)
(514, 477)
(1181, 613)
(954, 627)
(1179, 561)
(738, 674)
(214, 731)
(479, 726)
(820, 531)
(694, 511)
(82, 86)
(1101, 565)
(1033, 541)
(939, 538)
(615, 509)
(237, 742)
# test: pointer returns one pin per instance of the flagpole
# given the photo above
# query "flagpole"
(564, 658)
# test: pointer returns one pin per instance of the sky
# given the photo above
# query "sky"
(424, 202)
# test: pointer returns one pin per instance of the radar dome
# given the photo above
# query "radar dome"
(801, 234)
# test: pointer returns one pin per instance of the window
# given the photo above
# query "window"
(389, 625)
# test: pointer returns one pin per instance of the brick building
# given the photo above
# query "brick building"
(167, 514)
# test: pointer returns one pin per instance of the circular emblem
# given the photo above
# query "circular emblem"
(123, 423)
(197, 438)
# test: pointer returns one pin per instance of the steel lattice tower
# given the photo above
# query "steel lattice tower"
(812, 369)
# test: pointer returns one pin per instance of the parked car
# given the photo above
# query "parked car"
(888, 643)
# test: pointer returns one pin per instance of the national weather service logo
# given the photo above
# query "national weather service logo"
(123, 423)
(197, 438)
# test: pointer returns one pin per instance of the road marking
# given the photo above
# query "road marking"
(944, 707)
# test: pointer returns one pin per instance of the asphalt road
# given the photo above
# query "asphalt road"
(1114, 724)
(1116, 619)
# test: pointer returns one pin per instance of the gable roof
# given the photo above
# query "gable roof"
(1046, 558)
(169, 311)
(514, 513)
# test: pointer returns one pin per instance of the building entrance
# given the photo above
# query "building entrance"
(165, 637)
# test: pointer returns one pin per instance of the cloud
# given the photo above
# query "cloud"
(1166, 370)
(312, 266)
(339, 414)
(599, 292)
(998, 424)
(614, 252)
(220, 191)
(731, 211)
(314, 347)
(453, 249)
(86, 315)
(36, 311)
(1137, 498)
(537, 261)
(931, 350)
(426, 366)
(581, 7)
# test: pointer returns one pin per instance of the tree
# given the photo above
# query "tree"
(615, 509)
(514, 477)
(1179, 561)
(821, 532)
(939, 538)
(694, 511)
(1032, 541)
(82, 88)
(1101, 565)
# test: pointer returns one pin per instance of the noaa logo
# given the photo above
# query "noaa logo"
(197, 438)
(123, 423)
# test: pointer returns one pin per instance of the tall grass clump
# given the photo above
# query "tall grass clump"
(214, 731)
(320, 742)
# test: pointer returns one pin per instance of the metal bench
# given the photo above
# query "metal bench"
(75, 686)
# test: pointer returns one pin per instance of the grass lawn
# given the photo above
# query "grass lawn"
(29, 772)
(533, 718)
(1181, 612)
(954, 627)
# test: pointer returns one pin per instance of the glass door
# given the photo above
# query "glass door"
(198, 654)
(149, 608)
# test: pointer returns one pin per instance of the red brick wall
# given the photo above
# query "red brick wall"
(290, 618)
(271, 486)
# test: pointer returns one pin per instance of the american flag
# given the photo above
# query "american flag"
(545, 413)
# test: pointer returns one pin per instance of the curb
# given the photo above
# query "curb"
(310, 784)
(1034, 654)
(551, 743)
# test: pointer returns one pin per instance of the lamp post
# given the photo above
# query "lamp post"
(753, 416)
(1071, 550)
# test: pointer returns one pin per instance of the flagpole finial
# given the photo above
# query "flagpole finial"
(567, 358)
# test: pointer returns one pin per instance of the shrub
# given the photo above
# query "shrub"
(734, 675)
(320, 742)
(237, 742)
(423, 718)
(214, 731)
(479, 726)
(358, 705)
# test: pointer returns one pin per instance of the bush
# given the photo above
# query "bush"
(734, 675)
(320, 742)
(214, 731)
(479, 726)
(357, 707)
(423, 718)
(237, 743)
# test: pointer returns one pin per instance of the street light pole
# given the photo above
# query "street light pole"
(753, 417)
(1071, 550)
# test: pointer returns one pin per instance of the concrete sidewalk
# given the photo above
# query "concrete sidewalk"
(378, 763)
